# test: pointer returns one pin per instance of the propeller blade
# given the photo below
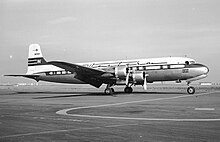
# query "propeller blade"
(145, 80)
(145, 83)
(127, 79)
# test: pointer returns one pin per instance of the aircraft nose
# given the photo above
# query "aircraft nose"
(205, 69)
(200, 69)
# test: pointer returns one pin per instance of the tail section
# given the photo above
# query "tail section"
(35, 59)
(35, 56)
(37, 65)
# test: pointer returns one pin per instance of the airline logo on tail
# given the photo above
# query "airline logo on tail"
(35, 56)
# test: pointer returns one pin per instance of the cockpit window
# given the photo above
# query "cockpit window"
(192, 62)
(187, 62)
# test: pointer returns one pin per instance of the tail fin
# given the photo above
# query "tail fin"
(35, 58)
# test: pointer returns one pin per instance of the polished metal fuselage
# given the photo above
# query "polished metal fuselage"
(165, 72)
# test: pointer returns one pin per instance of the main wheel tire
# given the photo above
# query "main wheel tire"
(191, 90)
(109, 91)
(128, 90)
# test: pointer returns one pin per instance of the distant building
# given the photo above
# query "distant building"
(205, 83)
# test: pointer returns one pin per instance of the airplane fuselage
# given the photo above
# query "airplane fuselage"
(161, 69)
(122, 72)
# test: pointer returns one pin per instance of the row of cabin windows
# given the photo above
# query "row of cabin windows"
(58, 72)
(112, 65)
(157, 67)
(131, 68)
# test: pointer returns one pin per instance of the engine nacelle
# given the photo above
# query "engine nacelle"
(138, 78)
(121, 72)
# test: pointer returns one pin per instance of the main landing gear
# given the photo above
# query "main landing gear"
(128, 89)
(111, 91)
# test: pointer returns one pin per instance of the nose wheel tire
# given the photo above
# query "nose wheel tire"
(191, 90)
(128, 90)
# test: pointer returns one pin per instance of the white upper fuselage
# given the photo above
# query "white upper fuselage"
(109, 64)
(148, 61)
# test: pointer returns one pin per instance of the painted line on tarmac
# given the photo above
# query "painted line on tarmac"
(60, 119)
(205, 109)
(64, 130)
(65, 111)
(46, 132)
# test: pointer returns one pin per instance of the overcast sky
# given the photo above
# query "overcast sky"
(99, 30)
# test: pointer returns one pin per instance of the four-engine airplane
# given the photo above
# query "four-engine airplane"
(123, 72)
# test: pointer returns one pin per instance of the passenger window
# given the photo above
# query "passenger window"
(140, 68)
(165, 67)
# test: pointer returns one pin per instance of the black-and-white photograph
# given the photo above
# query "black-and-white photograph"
(110, 70)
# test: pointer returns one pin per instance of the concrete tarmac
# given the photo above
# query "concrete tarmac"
(68, 113)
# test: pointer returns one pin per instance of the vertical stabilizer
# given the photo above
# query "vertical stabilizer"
(35, 59)
(34, 51)
(35, 56)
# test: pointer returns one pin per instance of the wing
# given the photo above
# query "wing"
(91, 76)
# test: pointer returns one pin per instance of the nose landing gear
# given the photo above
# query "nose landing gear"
(191, 90)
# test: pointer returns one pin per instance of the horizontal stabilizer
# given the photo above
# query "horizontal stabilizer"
(32, 76)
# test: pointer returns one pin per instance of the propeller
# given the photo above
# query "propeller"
(127, 79)
(145, 81)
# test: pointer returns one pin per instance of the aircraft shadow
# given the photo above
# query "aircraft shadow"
(83, 94)
(62, 94)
